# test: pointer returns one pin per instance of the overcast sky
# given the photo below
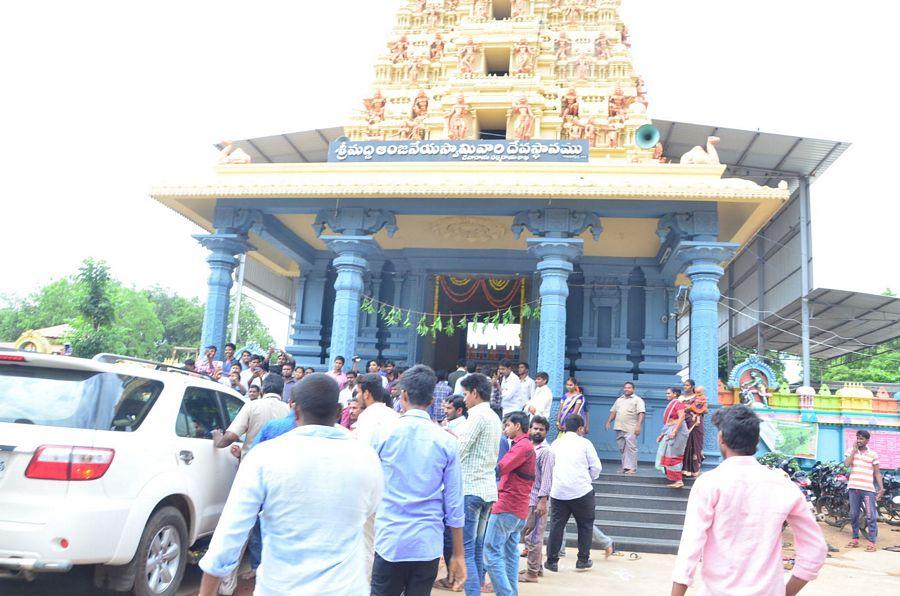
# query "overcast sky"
(103, 99)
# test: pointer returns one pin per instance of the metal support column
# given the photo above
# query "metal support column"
(805, 277)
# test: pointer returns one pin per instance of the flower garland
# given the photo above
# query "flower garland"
(488, 287)
(448, 324)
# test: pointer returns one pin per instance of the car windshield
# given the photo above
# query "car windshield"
(74, 398)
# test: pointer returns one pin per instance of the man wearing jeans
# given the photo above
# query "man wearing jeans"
(501, 557)
(864, 476)
(536, 523)
(575, 467)
(479, 443)
(423, 493)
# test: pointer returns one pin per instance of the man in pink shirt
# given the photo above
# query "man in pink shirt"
(337, 373)
(734, 521)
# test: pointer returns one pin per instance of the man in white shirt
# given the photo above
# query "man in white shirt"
(375, 423)
(511, 397)
(575, 467)
(542, 399)
(470, 369)
(349, 388)
(528, 385)
(312, 543)
(254, 414)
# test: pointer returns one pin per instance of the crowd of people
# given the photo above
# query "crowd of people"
(362, 482)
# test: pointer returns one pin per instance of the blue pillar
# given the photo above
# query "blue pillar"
(704, 276)
(222, 260)
(702, 261)
(350, 264)
(556, 256)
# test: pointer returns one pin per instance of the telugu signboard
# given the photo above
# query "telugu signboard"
(346, 151)
(885, 444)
(797, 439)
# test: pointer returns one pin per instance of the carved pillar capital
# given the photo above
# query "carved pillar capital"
(557, 223)
(355, 221)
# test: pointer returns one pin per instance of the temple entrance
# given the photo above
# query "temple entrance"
(462, 299)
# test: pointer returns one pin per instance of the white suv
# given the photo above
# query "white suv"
(109, 462)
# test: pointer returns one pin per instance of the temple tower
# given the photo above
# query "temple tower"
(508, 69)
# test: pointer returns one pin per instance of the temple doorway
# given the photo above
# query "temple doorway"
(467, 298)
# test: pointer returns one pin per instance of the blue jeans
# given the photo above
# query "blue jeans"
(254, 546)
(477, 512)
(501, 553)
(856, 498)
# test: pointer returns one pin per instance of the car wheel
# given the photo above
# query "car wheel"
(158, 564)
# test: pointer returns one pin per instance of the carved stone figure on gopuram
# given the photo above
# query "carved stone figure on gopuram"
(511, 70)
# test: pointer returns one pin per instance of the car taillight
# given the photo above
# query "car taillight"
(11, 358)
(58, 462)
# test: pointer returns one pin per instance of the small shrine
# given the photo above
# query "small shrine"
(823, 417)
(753, 382)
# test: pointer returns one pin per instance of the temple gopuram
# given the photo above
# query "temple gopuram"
(504, 171)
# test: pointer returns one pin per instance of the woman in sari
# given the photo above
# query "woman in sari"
(696, 408)
(673, 439)
(573, 402)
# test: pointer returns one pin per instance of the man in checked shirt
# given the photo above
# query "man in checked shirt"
(533, 534)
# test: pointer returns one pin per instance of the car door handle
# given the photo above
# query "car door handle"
(186, 456)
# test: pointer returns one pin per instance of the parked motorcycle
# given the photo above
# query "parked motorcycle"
(889, 503)
(828, 482)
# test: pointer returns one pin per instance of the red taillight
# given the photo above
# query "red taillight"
(57, 462)
(11, 358)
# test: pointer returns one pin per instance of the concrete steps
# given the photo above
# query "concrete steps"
(639, 512)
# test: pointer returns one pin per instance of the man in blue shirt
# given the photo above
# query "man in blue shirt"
(423, 493)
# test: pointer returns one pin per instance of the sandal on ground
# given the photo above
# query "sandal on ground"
(444, 584)
(633, 557)
(893, 549)
(675, 485)
(487, 588)
(853, 544)
(630, 472)
(870, 548)
(609, 552)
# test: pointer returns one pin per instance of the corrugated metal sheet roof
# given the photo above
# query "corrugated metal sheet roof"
(841, 323)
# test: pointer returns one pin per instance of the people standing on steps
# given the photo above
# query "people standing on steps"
(696, 407)
(673, 439)
(573, 403)
(628, 414)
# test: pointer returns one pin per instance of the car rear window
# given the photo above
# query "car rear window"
(75, 399)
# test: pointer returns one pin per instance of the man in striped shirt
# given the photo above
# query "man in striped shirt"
(479, 444)
(864, 476)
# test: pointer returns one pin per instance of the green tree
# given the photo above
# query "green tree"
(54, 304)
(879, 365)
(250, 328)
(181, 318)
(94, 330)
(136, 323)
(771, 357)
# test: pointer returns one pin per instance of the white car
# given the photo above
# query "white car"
(109, 462)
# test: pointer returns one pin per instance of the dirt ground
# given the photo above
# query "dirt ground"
(845, 571)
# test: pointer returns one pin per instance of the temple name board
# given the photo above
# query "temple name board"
(345, 151)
